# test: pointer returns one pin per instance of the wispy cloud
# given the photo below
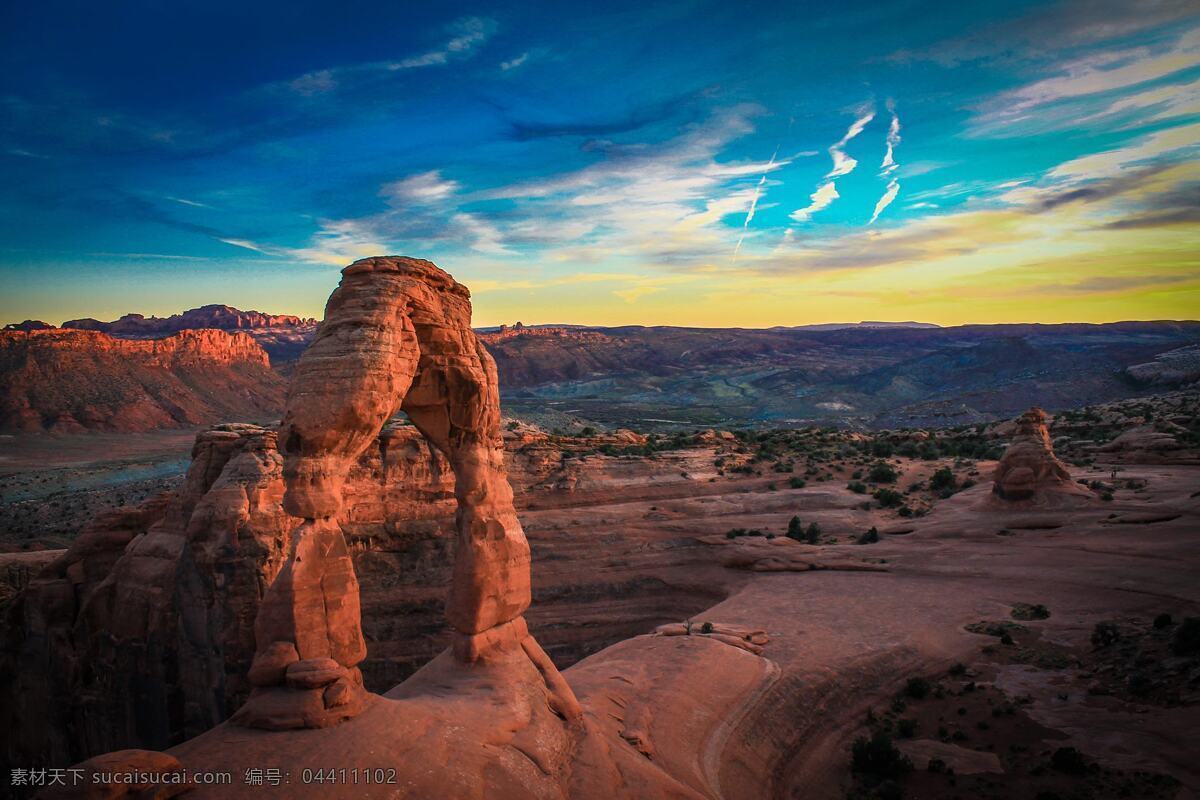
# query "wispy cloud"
(889, 194)
(758, 189)
(514, 62)
(843, 164)
(889, 164)
(422, 188)
(825, 194)
(466, 35)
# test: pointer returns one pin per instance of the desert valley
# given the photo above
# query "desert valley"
(1000, 605)
(518, 400)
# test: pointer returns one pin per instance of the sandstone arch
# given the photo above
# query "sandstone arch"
(397, 336)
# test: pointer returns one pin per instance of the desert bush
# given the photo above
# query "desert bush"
(796, 482)
(1104, 634)
(889, 498)
(1186, 641)
(906, 728)
(1069, 760)
(878, 757)
(943, 480)
(858, 487)
(917, 688)
(869, 537)
(706, 627)
(882, 473)
(795, 529)
(1025, 611)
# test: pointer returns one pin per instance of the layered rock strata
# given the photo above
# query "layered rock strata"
(396, 336)
(1029, 467)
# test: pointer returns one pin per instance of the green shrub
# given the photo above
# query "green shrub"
(943, 480)
(706, 627)
(795, 529)
(858, 487)
(882, 473)
(1025, 611)
(906, 728)
(889, 498)
(869, 537)
(796, 482)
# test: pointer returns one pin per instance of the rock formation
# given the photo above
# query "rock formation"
(1029, 467)
(67, 381)
(396, 336)
(211, 316)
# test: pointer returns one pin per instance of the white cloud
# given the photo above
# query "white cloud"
(1178, 141)
(893, 141)
(893, 189)
(469, 33)
(513, 63)
(842, 163)
(758, 188)
(821, 198)
(422, 188)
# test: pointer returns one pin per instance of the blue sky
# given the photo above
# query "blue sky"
(699, 163)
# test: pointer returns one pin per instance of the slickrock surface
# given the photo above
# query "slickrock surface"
(70, 381)
(691, 716)
(1029, 469)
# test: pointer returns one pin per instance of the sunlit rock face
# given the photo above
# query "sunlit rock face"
(1029, 466)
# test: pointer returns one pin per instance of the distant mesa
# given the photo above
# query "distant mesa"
(29, 325)
(220, 317)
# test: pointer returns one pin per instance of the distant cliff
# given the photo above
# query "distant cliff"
(212, 316)
(75, 380)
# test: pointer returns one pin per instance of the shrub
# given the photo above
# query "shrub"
(795, 529)
(943, 480)
(1069, 760)
(906, 728)
(587, 430)
(889, 498)
(882, 473)
(1186, 641)
(1104, 634)
(917, 688)
(796, 482)
(813, 534)
(706, 627)
(1025, 611)
(858, 487)
(869, 537)
(877, 756)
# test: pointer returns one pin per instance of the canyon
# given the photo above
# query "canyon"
(870, 375)
(392, 577)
